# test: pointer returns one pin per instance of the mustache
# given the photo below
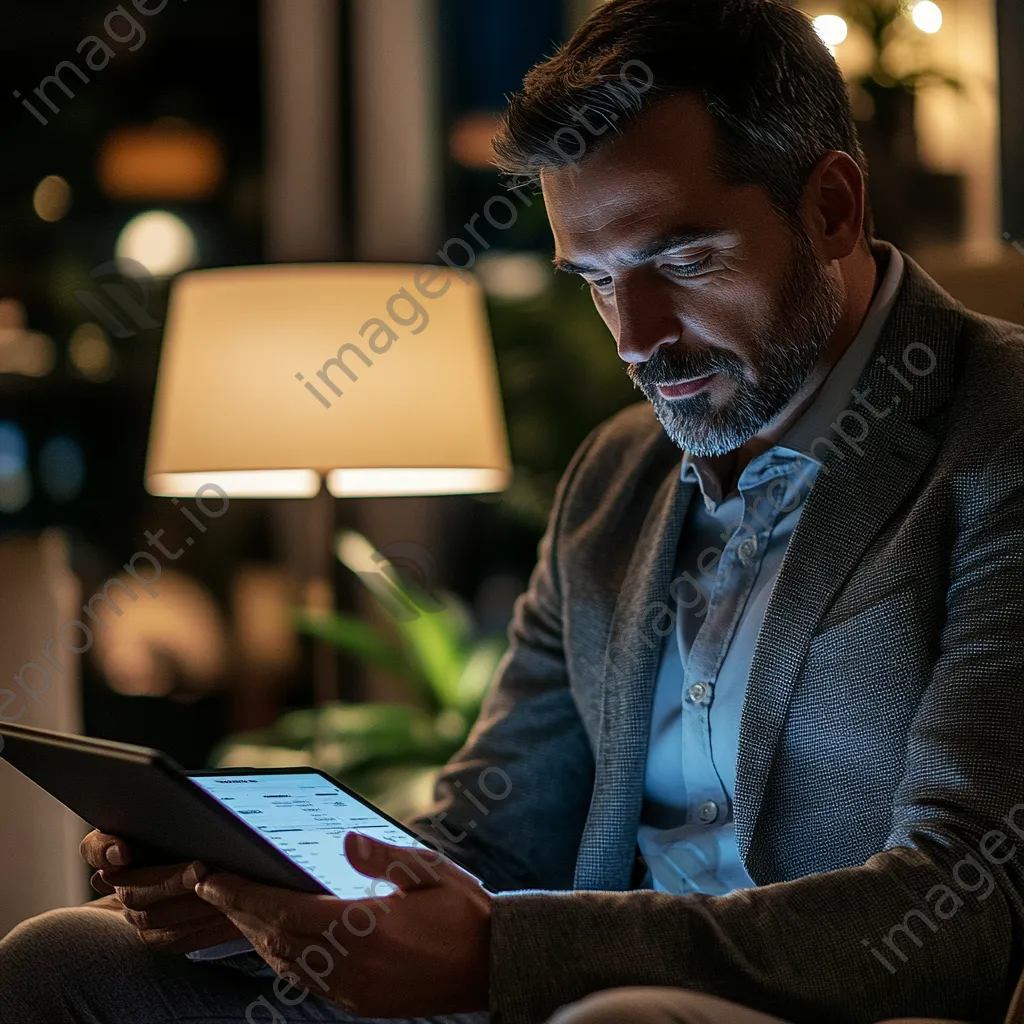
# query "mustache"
(667, 365)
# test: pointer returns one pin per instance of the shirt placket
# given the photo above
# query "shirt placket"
(735, 573)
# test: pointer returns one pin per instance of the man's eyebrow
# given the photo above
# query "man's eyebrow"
(568, 267)
(676, 240)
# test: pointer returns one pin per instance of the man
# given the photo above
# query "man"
(785, 666)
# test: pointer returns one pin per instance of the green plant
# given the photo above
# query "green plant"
(389, 752)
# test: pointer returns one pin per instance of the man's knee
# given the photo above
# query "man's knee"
(56, 950)
(651, 1005)
(615, 1005)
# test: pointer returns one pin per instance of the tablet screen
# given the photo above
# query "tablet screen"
(306, 818)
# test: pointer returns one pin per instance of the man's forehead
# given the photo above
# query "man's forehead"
(592, 201)
(662, 162)
(622, 217)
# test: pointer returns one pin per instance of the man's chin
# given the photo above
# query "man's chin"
(695, 430)
(691, 438)
(700, 435)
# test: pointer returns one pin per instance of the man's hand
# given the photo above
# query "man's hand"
(420, 951)
(159, 903)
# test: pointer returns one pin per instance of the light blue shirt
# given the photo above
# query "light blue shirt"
(729, 555)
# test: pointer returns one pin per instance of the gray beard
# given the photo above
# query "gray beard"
(786, 351)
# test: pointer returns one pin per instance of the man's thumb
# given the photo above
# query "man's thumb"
(404, 866)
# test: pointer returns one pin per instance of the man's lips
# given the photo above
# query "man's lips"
(686, 389)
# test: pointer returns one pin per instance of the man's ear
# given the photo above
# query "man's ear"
(834, 205)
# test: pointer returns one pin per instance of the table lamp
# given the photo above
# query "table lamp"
(379, 379)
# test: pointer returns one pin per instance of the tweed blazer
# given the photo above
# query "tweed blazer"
(881, 749)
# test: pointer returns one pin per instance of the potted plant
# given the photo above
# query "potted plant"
(911, 203)
(388, 752)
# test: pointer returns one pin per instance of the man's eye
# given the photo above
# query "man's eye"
(601, 282)
(691, 269)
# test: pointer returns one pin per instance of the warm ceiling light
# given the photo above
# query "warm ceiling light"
(927, 16)
(52, 198)
(167, 161)
(832, 29)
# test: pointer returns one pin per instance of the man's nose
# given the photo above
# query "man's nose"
(646, 322)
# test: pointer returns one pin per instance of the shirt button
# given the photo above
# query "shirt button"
(708, 811)
(748, 549)
(697, 692)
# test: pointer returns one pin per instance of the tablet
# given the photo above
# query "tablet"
(281, 826)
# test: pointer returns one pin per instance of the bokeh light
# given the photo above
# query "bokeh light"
(514, 276)
(470, 140)
(62, 469)
(927, 16)
(90, 352)
(832, 29)
(161, 242)
(52, 198)
(15, 483)
(23, 351)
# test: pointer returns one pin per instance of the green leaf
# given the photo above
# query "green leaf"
(477, 673)
(350, 734)
(236, 753)
(402, 791)
(434, 643)
(345, 739)
(353, 634)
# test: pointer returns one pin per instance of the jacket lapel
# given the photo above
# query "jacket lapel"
(629, 669)
(854, 496)
(843, 513)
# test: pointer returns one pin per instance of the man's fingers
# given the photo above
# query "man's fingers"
(265, 909)
(274, 943)
(188, 940)
(140, 888)
(179, 910)
(404, 866)
(100, 851)
(229, 893)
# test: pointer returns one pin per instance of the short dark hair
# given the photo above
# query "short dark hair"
(773, 89)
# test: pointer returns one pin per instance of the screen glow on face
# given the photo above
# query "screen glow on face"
(306, 817)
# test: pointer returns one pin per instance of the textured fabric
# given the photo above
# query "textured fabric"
(729, 556)
(84, 966)
(881, 735)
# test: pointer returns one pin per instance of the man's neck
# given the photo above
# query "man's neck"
(862, 282)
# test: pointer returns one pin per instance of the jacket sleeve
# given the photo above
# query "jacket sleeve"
(930, 926)
(511, 805)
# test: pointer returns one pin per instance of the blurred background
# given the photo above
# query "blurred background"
(355, 633)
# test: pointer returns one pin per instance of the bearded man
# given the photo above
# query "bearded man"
(762, 712)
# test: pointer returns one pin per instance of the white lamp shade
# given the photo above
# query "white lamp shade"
(399, 390)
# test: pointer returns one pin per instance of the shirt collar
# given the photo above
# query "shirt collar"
(833, 395)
